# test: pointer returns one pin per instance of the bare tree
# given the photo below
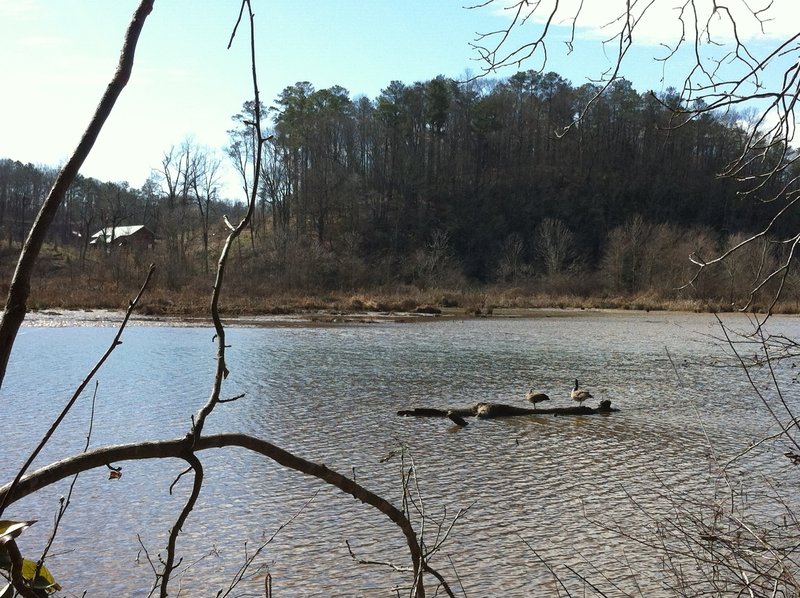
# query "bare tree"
(204, 183)
(242, 151)
(276, 186)
(511, 266)
(554, 244)
(176, 176)
(436, 264)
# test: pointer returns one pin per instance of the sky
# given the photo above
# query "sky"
(57, 56)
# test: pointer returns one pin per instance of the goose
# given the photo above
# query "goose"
(483, 410)
(456, 419)
(579, 395)
(534, 396)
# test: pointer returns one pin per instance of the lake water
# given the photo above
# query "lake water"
(544, 494)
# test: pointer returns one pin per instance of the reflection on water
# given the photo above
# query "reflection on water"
(537, 489)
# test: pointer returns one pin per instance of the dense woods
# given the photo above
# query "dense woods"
(439, 185)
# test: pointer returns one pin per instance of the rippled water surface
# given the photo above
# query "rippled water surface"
(541, 492)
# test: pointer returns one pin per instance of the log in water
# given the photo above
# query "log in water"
(494, 410)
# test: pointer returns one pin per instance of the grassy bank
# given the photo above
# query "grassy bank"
(193, 300)
(64, 282)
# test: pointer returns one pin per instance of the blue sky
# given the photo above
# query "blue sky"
(56, 57)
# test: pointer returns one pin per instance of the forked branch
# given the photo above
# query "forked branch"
(177, 449)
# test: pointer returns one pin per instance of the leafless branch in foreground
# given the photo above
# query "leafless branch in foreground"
(241, 574)
(19, 290)
(114, 344)
(177, 448)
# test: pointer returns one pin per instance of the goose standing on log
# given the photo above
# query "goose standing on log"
(579, 395)
(534, 396)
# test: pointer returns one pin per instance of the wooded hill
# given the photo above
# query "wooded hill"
(445, 184)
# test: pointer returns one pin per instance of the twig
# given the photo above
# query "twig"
(387, 564)
(753, 384)
(585, 580)
(458, 577)
(147, 555)
(64, 503)
(674, 367)
(545, 563)
(114, 344)
(177, 479)
(240, 574)
(232, 399)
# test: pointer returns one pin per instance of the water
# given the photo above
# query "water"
(545, 498)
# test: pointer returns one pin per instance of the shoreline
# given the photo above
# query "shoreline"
(56, 318)
(303, 318)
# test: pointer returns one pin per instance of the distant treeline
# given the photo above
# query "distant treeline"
(446, 184)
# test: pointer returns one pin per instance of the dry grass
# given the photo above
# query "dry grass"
(193, 300)
(60, 284)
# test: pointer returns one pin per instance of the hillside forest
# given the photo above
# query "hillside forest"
(446, 192)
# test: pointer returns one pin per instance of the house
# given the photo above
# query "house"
(124, 236)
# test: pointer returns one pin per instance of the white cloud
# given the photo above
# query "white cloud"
(20, 9)
(44, 43)
(659, 21)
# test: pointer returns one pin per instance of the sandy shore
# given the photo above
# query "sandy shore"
(105, 317)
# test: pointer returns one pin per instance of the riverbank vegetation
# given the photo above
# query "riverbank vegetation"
(103, 280)
(432, 193)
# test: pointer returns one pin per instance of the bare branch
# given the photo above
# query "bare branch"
(178, 448)
(222, 371)
(114, 344)
(240, 574)
(755, 387)
(169, 564)
(64, 502)
(18, 292)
